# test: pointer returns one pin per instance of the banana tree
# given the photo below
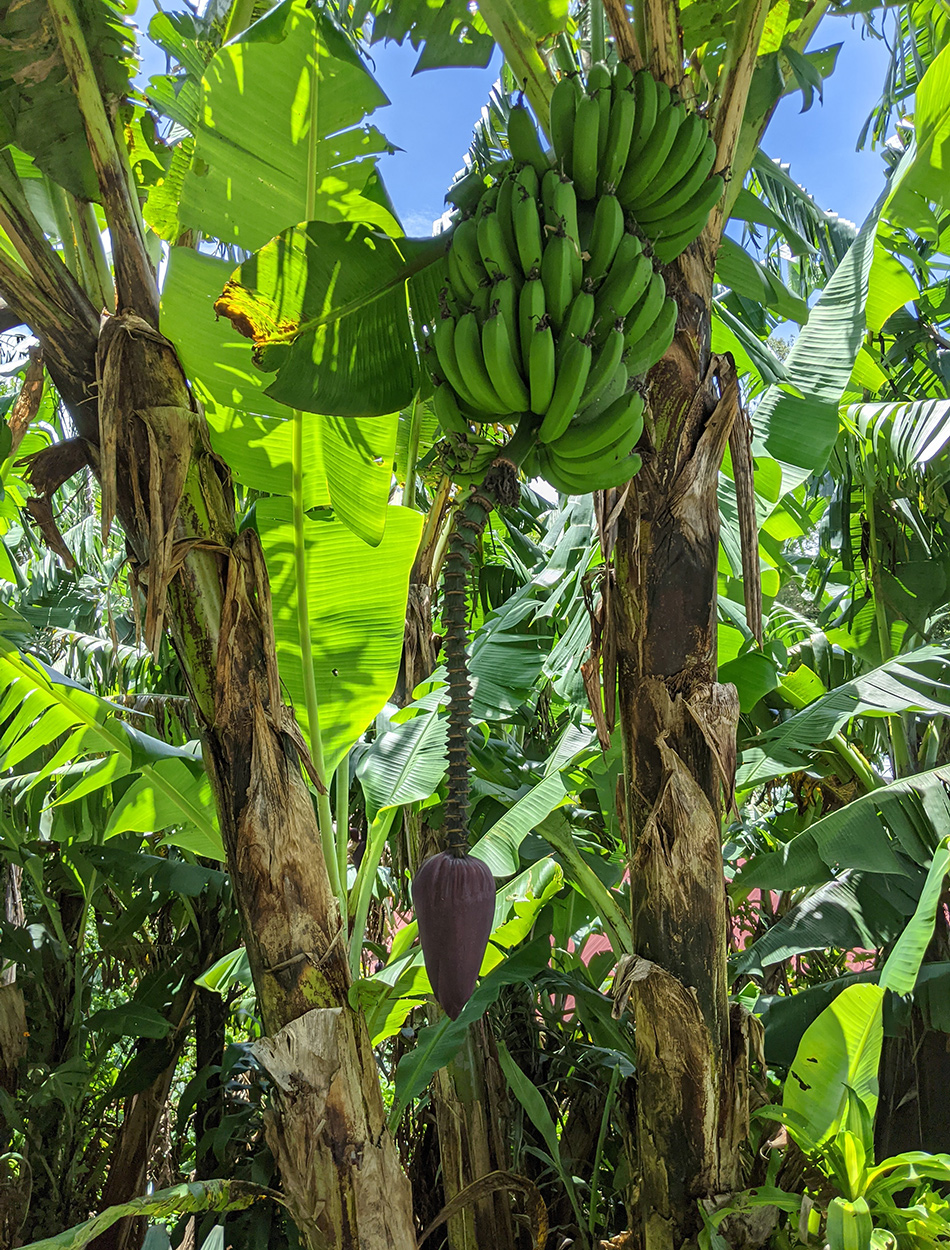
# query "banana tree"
(678, 723)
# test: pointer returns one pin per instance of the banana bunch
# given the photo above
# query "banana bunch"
(537, 329)
(631, 136)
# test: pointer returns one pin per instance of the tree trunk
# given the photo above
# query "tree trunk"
(679, 741)
(473, 1143)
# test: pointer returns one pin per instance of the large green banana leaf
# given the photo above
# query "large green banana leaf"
(837, 1057)
(449, 33)
(840, 1052)
(856, 911)
(796, 421)
(927, 177)
(404, 764)
(903, 963)
(278, 137)
(498, 847)
(356, 595)
(911, 438)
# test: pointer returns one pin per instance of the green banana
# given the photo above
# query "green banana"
(468, 257)
(619, 133)
(599, 77)
(488, 201)
(541, 367)
(471, 362)
(598, 465)
(523, 140)
(627, 420)
(504, 208)
(627, 280)
(623, 415)
(605, 363)
(443, 340)
(458, 283)
(645, 109)
(578, 321)
(616, 387)
(469, 463)
(686, 148)
(447, 411)
(557, 274)
(653, 345)
(481, 301)
(689, 184)
(698, 206)
(643, 314)
(493, 249)
(563, 111)
(586, 127)
(605, 236)
(559, 202)
(527, 224)
(501, 364)
(623, 76)
(527, 178)
(505, 297)
(531, 308)
(585, 224)
(584, 484)
(640, 173)
(572, 375)
(450, 304)
(667, 249)
(599, 82)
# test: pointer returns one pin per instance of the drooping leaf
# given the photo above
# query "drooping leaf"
(924, 173)
(872, 833)
(499, 845)
(437, 1044)
(853, 911)
(915, 681)
(162, 1204)
(345, 463)
(903, 963)
(740, 271)
(404, 764)
(449, 33)
(326, 306)
(911, 436)
(52, 707)
(796, 421)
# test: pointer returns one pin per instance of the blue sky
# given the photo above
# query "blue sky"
(432, 115)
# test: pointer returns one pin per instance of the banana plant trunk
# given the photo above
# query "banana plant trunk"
(340, 1170)
(678, 727)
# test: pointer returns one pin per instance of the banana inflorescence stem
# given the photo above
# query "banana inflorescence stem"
(500, 486)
